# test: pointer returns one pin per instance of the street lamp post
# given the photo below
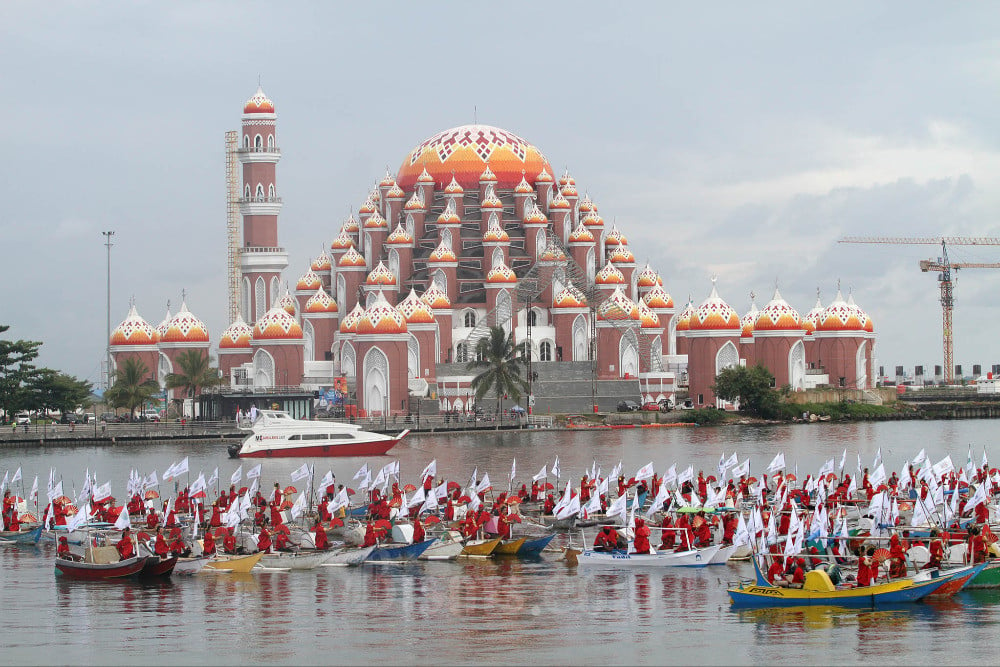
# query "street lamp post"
(107, 244)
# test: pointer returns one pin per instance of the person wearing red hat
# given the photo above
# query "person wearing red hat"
(418, 531)
(641, 541)
(62, 551)
(160, 544)
(798, 573)
(177, 546)
(281, 538)
(606, 540)
(229, 542)
(321, 540)
(264, 540)
(152, 519)
(208, 545)
(125, 547)
(369, 535)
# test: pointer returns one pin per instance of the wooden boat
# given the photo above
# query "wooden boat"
(620, 559)
(988, 577)
(30, 536)
(818, 589)
(346, 556)
(98, 564)
(241, 564)
(534, 547)
(509, 547)
(959, 578)
(157, 567)
(480, 548)
(398, 552)
(723, 555)
(446, 547)
(307, 559)
(188, 566)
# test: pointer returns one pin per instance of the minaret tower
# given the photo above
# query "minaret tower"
(261, 259)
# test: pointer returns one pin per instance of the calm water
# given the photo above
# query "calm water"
(490, 612)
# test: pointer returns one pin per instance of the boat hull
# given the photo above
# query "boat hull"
(301, 560)
(989, 577)
(22, 537)
(155, 567)
(369, 448)
(99, 572)
(510, 547)
(398, 552)
(187, 566)
(621, 559)
(534, 547)
(349, 556)
(480, 548)
(239, 564)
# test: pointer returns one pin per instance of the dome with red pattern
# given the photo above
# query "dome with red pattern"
(134, 331)
(368, 207)
(310, 281)
(615, 237)
(524, 187)
(351, 225)
(415, 310)
(161, 328)
(381, 318)
(349, 324)
(560, 203)
(321, 263)
(425, 176)
(380, 275)
(569, 297)
(778, 315)
(495, 233)
(840, 316)
(609, 275)
(552, 253)
(414, 203)
(621, 255)
(544, 176)
(748, 321)
(618, 307)
(501, 273)
(320, 302)
(184, 327)
(647, 277)
(352, 258)
(587, 205)
(453, 187)
(287, 303)
(376, 221)
(259, 103)
(399, 236)
(714, 314)
(684, 319)
(395, 192)
(658, 298)
(866, 321)
(581, 235)
(593, 220)
(442, 254)
(449, 216)
(811, 319)
(490, 201)
(387, 181)
(436, 298)
(535, 216)
(566, 179)
(568, 191)
(236, 336)
(276, 325)
(472, 154)
(647, 318)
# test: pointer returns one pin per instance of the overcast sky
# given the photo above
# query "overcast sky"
(736, 139)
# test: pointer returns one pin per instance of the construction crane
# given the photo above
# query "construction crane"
(233, 227)
(944, 267)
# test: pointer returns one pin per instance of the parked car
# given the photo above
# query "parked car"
(89, 418)
(70, 418)
(628, 406)
(150, 416)
(22, 418)
(651, 406)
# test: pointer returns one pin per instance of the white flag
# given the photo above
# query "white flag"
(362, 471)
(418, 498)
(327, 480)
(123, 521)
(877, 477)
(17, 476)
(617, 470)
(513, 469)
(978, 497)
(79, 519)
(431, 470)
(339, 501)
(254, 472)
(776, 464)
(301, 472)
(102, 492)
(300, 506)
(214, 478)
(920, 458)
(645, 472)
(542, 474)
(237, 476)
(670, 477)
(571, 508)
(484, 483)
(661, 495)
(742, 470)
(592, 507)
(618, 507)
(555, 468)
(826, 469)
(685, 476)
(150, 481)
(55, 491)
(199, 484)
(34, 489)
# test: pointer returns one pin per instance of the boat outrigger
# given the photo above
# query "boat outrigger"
(276, 433)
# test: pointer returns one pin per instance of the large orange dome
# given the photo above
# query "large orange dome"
(465, 151)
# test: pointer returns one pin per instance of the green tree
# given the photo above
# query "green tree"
(52, 390)
(132, 386)
(194, 373)
(499, 365)
(752, 387)
(16, 372)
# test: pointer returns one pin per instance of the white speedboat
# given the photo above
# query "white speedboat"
(276, 433)
(622, 559)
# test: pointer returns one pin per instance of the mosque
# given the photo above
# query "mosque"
(475, 230)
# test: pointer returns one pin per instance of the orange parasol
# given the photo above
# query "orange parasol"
(549, 486)
(28, 517)
(790, 477)
(465, 499)
(881, 555)
(286, 505)
(150, 495)
(453, 485)
(409, 487)
(63, 500)
(336, 522)
(433, 518)
(513, 500)
(290, 489)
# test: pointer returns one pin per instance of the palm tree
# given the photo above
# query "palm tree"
(195, 372)
(499, 361)
(132, 386)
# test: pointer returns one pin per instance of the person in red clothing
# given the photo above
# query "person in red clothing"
(668, 538)
(282, 538)
(641, 542)
(321, 540)
(550, 504)
(702, 485)
(160, 544)
(369, 535)
(264, 540)
(982, 513)
(703, 533)
(798, 574)
(449, 511)
(867, 569)
(62, 551)
(229, 542)
(177, 546)
(937, 551)
(323, 510)
(535, 489)
(977, 546)
(278, 496)
(152, 519)
(418, 531)
(216, 520)
(606, 540)
(503, 524)
(776, 573)
(276, 518)
(469, 527)
(897, 557)
(125, 547)
(208, 545)
(135, 504)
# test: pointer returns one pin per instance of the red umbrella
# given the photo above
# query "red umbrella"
(710, 479)
(433, 518)
(408, 488)
(791, 477)
(242, 490)
(142, 536)
(830, 476)
(751, 480)
(513, 500)
(290, 489)
(396, 502)
(63, 500)
(465, 499)
(200, 494)
(453, 485)
(28, 517)
(151, 495)
(336, 522)
(549, 486)
(350, 491)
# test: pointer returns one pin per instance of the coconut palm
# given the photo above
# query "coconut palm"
(133, 386)
(498, 361)
(193, 373)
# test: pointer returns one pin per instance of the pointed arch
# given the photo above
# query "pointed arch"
(655, 354)
(260, 298)
(726, 357)
(308, 340)
(410, 224)
(591, 265)
(263, 369)
(440, 278)
(275, 287)
(581, 347)
(446, 238)
(245, 300)
(375, 376)
(257, 141)
(628, 355)
(342, 293)
(394, 263)
(270, 191)
(413, 356)
(497, 257)
(348, 360)
(672, 336)
(260, 191)
(861, 366)
(163, 368)
(368, 250)
(797, 366)
(503, 310)
(540, 243)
